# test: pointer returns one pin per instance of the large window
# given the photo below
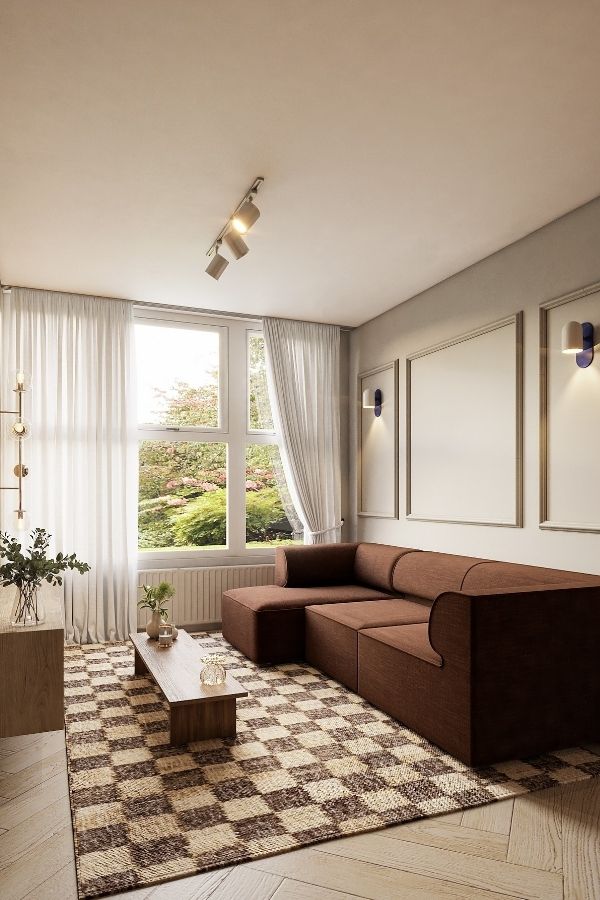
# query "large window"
(211, 479)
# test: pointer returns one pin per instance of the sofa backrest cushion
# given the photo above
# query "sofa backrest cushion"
(374, 564)
(427, 574)
(503, 575)
(314, 566)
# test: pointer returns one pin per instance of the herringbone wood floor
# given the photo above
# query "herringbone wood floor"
(543, 846)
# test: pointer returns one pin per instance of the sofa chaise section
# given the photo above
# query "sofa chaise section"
(267, 623)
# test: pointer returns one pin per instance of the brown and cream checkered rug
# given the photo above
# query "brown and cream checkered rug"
(311, 761)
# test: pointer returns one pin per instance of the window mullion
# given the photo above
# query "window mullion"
(237, 442)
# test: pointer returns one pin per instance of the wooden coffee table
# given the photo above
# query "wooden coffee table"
(197, 711)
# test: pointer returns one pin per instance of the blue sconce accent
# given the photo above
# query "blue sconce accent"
(378, 401)
(373, 399)
(586, 356)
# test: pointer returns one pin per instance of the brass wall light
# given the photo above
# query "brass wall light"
(578, 339)
(20, 430)
(373, 399)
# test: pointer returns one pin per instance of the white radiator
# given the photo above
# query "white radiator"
(197, 599)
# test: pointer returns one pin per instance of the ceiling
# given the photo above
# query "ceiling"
(400, 140)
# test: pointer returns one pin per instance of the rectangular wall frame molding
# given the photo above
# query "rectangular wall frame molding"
(377, 468)
(481, 418)
(588, 438)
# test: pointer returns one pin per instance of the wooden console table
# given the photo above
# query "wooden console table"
(32, 659)
(197, 711)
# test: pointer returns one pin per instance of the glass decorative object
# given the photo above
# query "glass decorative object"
(165, 635)
(213, 672)
(28, 608)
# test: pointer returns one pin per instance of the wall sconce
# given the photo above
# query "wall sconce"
(578, 339)
(373, 399)
(20, 431)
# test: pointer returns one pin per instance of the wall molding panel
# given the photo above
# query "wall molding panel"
(464, 428)
(377, 451)
(569, 419)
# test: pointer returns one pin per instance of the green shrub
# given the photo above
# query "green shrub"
(264, 513)
(203, 521)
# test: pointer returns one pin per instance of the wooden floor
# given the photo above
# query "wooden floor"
(544, 846)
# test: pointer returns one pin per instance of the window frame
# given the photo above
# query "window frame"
(234, 432)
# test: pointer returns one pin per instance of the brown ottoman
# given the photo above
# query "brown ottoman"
(331, 632)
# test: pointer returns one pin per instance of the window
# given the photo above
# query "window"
(259, 408)
(266, 517)
(178, 375)
(210, 479)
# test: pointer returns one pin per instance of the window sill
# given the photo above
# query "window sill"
(205, 559)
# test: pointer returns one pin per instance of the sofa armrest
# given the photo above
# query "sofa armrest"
(524, 626)
(315, 565)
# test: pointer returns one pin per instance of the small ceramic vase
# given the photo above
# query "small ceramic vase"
(153, 626)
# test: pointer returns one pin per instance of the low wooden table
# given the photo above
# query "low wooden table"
(197, 711)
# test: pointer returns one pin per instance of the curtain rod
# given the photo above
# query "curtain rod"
(164, 306)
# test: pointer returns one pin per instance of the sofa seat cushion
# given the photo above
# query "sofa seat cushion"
(411, 639)
(374, 564)
(271, 596)
(267, 623)
(331, 632)
(427, 574)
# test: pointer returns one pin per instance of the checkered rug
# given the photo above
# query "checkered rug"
(311, 761)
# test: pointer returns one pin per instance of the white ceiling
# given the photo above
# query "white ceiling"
(401, 141)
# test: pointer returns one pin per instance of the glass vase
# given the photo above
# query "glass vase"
(28, 609)
(213, 671)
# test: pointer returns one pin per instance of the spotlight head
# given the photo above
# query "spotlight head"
(217, 265)
(245, 217)
(236, 244)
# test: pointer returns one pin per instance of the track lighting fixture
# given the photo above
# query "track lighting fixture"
(217, 265)
(239, 222)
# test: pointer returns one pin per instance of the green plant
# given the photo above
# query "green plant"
(27, 569)
(202, 523)
(156, 596)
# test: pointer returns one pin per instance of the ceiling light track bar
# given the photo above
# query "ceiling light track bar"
(248, 196)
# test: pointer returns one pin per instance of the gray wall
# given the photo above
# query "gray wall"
(553, 261)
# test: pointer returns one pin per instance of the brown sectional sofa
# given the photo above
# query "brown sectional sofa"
(489, 660)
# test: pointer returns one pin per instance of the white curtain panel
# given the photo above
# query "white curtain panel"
(303, 365)
(82, 453)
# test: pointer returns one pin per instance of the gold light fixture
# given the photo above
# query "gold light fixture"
(239, 222)
(20, 431)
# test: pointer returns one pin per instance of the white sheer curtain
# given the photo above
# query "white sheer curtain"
(82, 453)
(303, 365)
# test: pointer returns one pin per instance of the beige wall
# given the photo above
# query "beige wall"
(553, 261)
